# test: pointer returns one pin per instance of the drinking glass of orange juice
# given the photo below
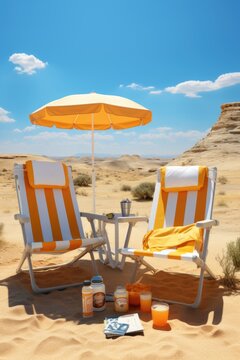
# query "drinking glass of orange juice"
(160, 314)
(145, 301)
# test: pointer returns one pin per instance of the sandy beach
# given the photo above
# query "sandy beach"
(122, 93)
(51, 326)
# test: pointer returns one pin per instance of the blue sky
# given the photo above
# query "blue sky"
(179, 58)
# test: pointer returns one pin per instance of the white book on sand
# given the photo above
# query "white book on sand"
(128, 324)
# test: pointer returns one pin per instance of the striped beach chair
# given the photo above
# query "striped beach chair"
(183, 200)
(49, 216)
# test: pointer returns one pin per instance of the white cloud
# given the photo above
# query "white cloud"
(26, 129)
(26, 64)
(172, 135)
(47, 135)
(126, 133)
(4, 118)
(135, 86)
(156, 142)
(155, 92)
(163, 128)
(192, 88)
(191, 134)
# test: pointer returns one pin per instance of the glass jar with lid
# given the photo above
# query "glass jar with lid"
(99, 293)
(121, 299)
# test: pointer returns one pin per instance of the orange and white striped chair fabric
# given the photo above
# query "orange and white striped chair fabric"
(183, 195)
(49, 214)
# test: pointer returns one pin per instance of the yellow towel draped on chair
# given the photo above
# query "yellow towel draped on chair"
(182, 238)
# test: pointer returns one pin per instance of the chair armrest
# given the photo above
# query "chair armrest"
(21, 218)
(205, 224)
(98, 241)
(92, 216)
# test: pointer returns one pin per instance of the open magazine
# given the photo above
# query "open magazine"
(129, 324)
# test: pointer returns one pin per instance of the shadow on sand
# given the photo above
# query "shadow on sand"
(66, 304)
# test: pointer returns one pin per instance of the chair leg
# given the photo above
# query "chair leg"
(210, 272)
(150, 267)
(201, 263)
(36, 288)
(139, 261)
(39, 290)
(95, 270)
(21, 262)
(198, 298)
(135, 270)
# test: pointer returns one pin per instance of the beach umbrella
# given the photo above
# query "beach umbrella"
(92, 112)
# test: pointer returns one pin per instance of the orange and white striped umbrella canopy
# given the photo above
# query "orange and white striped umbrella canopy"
(76, 112)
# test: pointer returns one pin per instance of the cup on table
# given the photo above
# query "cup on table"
(125, 207)
(160, 314)
(145, 301)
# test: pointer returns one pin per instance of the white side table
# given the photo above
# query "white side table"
(107, 254)
(113, 255)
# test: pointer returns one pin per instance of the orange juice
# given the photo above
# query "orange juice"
(134, 298)
(134, 292)
(160, 314)
(145, 301)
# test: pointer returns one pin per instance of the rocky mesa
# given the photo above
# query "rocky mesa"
(221, 145)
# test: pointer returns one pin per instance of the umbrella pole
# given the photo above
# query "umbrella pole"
(93, 170)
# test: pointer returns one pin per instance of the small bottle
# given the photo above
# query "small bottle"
(87, 299)
(121, 299)
(99, 294)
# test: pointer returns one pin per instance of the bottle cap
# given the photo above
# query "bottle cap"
(97, 279)
(120, 290)
(119, 287)
(86, 283)
(125, 201)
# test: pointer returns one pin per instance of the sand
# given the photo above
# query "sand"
(51, 326)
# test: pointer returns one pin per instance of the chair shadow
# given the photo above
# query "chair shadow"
(62, 304)
(67, 304)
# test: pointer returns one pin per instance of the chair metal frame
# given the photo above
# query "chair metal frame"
(89, 247)
(200, 260)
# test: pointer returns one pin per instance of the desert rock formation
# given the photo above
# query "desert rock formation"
(221, 144)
